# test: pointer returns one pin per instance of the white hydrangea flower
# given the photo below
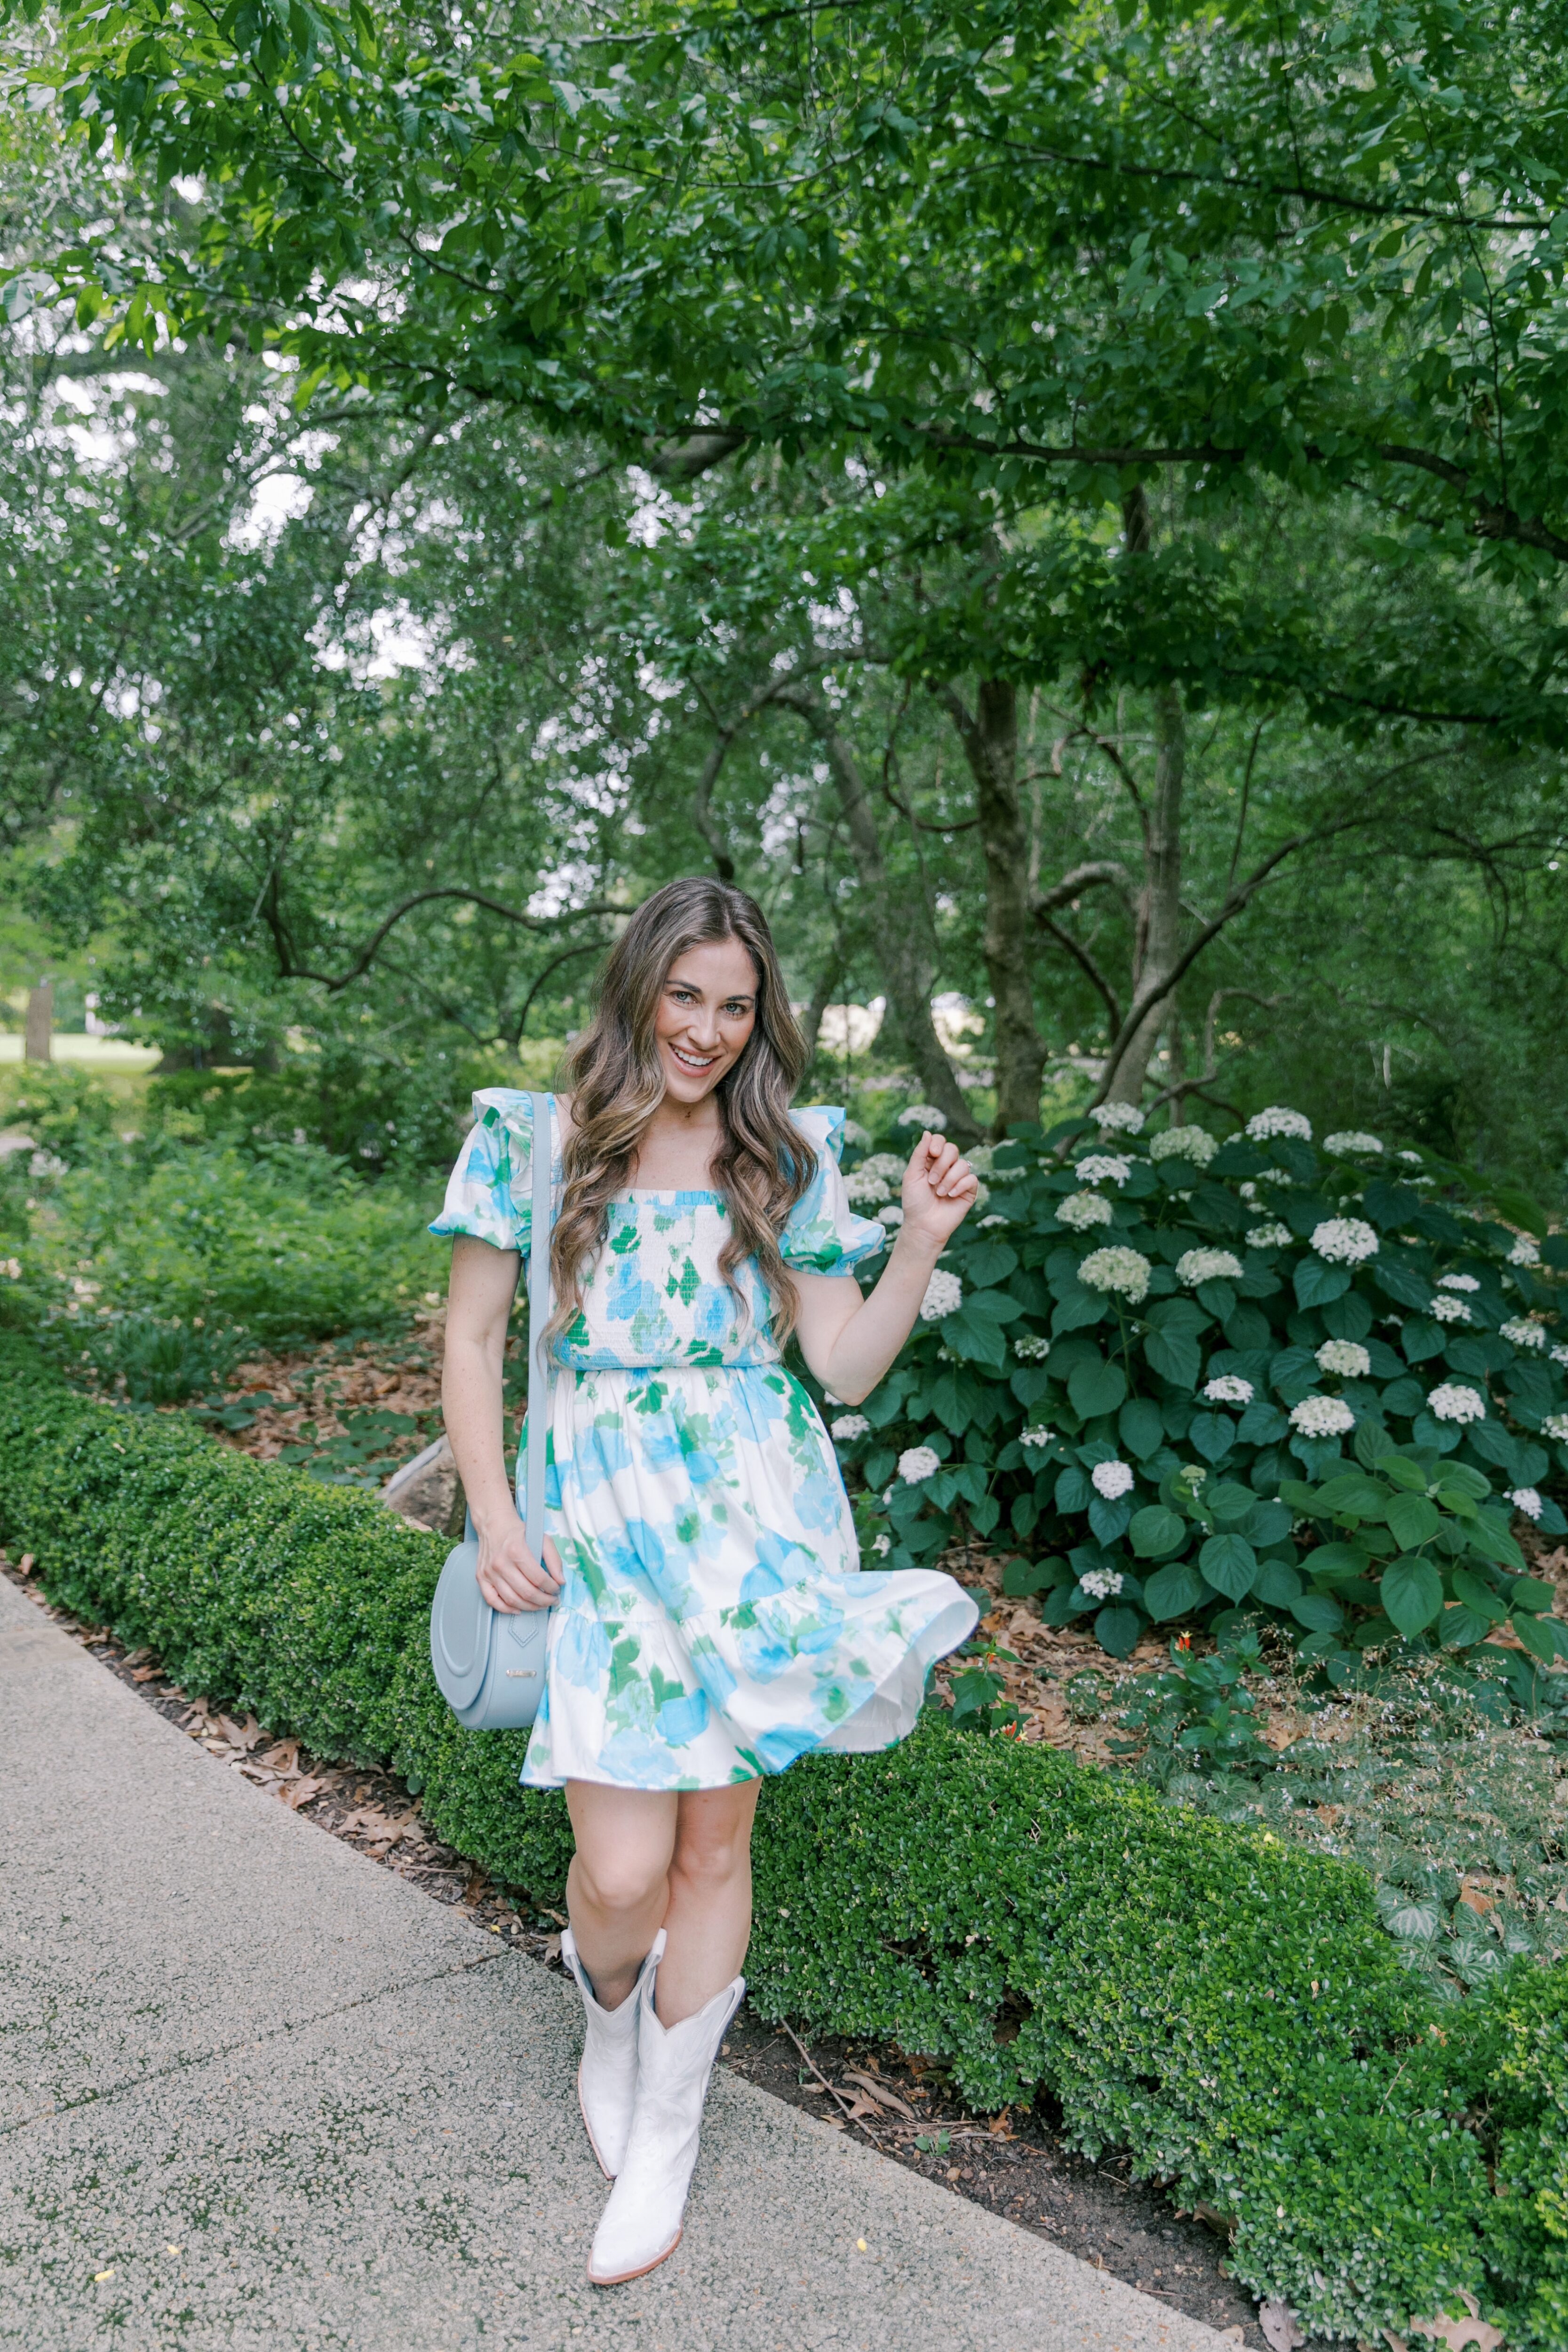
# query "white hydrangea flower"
(1457, 1282)
(1445, 1308)
(883, 1544)
(1117, 1119)
(1195, 1266)
(1524, 1252)
(1080, 1210)
(982, 1194)
(1228, 1388)
(1112, 1479)
(1248, 1190)
(980, 1157)
(1194, 1143)
(855, 1135)
(1101, 1584)
(923, 1115)
(1526, 1499)
(889, 1165)
(1555, 1426)
(1322, 1417)
(1030, 1348)
(1124, 1271)
(864, 1189)
(11, 1268)
(943, 1296)
(892, 1216)
(986, 1223)
(1352, 1139)
(1103, 1168)
(1410, 1158)
(1344, 1241)
(1559, 1355)
(918, 1463)
(1346, 1359)
(1273, 1235)
(1276, 1120)
(1038, 1436)
(848, 1425)
(1451, 1401)
(1522, 1331)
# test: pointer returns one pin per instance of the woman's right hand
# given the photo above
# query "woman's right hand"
(509, 1576)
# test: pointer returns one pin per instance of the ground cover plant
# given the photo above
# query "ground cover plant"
(1225, 2007)
(151, 1261)
(1195, 1380)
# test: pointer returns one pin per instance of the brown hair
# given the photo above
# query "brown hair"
(763, 1163)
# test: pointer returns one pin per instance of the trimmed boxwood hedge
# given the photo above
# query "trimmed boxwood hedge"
(1221, 2005)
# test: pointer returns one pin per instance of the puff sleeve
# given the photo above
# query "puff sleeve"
(487, 1193)
(822, 1234)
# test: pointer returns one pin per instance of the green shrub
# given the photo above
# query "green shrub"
(1222, 2006)
(1143, 1343)
(283, 1245)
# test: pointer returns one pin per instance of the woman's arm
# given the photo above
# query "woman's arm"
(850, 1341)
(479, 1306)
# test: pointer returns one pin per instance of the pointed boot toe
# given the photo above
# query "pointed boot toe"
(641, 2225)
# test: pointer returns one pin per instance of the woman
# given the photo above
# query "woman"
(713, 1623)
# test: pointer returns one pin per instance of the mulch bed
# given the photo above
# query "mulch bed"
(1015, 2163)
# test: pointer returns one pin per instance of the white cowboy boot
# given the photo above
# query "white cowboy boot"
(641, 2224)
(608, 2076)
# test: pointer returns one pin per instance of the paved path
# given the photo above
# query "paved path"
(285, 2103)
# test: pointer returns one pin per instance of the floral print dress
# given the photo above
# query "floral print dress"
(714, 1622)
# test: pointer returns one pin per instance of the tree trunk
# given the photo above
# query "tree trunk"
(1160, 906)
(990, 739)
(825, 991)
(905, 960)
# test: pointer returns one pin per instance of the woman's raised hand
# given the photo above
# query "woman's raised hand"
(509, 1576)
(938, 1189)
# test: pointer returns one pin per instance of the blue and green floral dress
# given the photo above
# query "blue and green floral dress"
(714, 1622)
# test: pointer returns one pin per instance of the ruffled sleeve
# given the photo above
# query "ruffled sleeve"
(822, 1234)
(488, 1190)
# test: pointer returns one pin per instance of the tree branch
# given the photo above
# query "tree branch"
(333, 982)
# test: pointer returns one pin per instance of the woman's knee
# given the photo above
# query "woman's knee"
(713, 1850)
(619, 1884)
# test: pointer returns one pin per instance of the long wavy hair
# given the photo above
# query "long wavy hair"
(763, 1163)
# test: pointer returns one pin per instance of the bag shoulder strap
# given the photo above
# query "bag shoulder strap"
(541, 1301)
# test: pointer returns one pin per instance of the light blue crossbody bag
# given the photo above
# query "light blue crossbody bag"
(489, 1663)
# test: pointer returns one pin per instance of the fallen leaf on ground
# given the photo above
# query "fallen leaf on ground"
(26, 1565)
(551, 1947)
(240, 1735)
(1460, 2333)
(880, 2091)
(146, 1674)
(283, 1757)
(1279, 2327)
(300, 1792)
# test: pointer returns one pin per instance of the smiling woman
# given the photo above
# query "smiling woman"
(711, 1623)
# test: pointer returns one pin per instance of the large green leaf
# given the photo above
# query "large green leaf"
(1211, 1435)
(1474, 1593)
(1173, 1355)
(1411, 1591)
(1230, 1565)
(1352, 1494)
(976, 1336)
(1116, 1630)
(1154, 1532)
(1316, 1283)
(1491, 1542)
(1319, 1612)
(1413, 1521)
(991, 1262)
(1141, 1427)
(1096, 1389)
(1542, 1637)
(1532, 1594)
(1173, 1592)
(1077, 1309)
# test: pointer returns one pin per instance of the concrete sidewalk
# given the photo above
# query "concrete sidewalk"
(259, 2096)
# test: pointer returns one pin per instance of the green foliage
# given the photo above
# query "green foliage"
(1249, 1316)
(160, 1261)
(1224, 2007)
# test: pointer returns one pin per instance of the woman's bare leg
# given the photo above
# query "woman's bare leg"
(708, 1921)
(617, 1889)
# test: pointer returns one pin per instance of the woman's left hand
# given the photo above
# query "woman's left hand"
(938, 1189)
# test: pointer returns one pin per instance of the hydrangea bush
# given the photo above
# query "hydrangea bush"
(1190, 1380)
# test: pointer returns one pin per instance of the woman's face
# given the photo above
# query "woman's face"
(707, 1012)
